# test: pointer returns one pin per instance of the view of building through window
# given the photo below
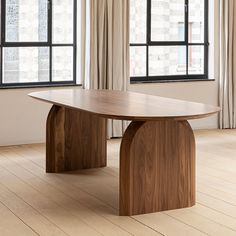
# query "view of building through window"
(159, 44)
(38, 43)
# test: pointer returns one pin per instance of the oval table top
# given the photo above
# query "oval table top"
(126, 105)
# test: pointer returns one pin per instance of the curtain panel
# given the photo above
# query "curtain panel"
(109, 50)
(227, 73)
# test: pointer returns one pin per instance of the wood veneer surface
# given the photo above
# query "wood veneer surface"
(157, 167)
(126, 105)
(75, 140)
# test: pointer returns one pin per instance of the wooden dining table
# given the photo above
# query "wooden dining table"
(157, 153)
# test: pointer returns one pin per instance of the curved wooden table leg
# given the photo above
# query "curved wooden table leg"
(157, 167)
(75, 140)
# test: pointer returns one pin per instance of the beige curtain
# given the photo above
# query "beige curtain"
(227, 63)
(109, 50)
(83, 37)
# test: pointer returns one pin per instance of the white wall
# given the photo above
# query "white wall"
(22, 119)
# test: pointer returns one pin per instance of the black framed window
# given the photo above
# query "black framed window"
(168, 40)
(38, 42)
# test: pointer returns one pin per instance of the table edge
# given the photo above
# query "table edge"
(131, 118)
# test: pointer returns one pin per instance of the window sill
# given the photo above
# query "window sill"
(170, 81)
(25, 86)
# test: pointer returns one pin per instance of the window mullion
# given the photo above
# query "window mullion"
(187, 34)
(149, 20)
(75, 42)
(3, 16)
(206, 37)
(49, 21)
(50, 38)
(148, 39)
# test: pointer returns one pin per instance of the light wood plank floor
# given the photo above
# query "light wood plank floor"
(86, 202)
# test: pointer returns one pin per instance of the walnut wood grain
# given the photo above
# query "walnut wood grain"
(157, 157)
(75, 140)
(126, 105)
(157, 167)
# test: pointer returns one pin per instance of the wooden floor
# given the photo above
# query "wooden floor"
(86, 202)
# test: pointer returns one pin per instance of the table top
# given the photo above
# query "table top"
(126, 105)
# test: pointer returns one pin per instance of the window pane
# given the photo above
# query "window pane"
(167, 60)
(62, 64)
(62, 17)
(196, 60)
(26, 21)
(168, 18)
(196, 21)
(137, 61)
(138, 16)
(25, 65)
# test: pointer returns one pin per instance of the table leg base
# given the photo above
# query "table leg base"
(75, 140)
(157, 167)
